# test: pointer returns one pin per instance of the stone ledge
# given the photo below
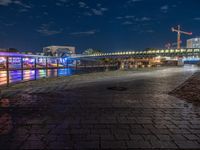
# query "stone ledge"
(189, 90)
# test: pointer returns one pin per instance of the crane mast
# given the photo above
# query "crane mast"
(179, 32)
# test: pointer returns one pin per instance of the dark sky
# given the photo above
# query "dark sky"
(109, 25)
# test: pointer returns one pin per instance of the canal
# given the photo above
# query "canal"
(16, 67)
(16, 76)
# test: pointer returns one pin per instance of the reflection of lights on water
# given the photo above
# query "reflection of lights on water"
(16, 76)
(51, 72)
(2, 74)
(65, 72)
(41, 73)
(2, 59)
(3, 77)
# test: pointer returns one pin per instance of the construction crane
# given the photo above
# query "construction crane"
(179, 32)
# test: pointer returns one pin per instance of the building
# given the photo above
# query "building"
(59, 51)
(193, 43)
(3, 50)
(11, 50)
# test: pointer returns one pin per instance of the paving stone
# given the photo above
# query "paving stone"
(163, 144)
(107, 137)
(178, 137)
(180, 131)
(113, 145)
(188, 144)
(150, 137)
(141, 131)
(160, 131)
(87, 145)
(122, 136)
(191, 137)
(138, 144)
(89, 116)
(194, 131)
(136, 137)
(163, 137)
(195, 126)
(144, 121)
(33, 145)
(60, 145)
(101, 131)
(92, 137)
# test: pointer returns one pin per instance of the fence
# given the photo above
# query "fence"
(14, 69)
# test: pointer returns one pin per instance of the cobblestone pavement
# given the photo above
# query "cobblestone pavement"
(133, 112)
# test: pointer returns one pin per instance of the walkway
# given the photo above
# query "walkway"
(133, 111)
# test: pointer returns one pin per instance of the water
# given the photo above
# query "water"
(17, 75)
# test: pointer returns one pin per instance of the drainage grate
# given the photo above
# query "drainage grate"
(116, 88)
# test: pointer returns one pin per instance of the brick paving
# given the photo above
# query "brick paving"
(94, 117)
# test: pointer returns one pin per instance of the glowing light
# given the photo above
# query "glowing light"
(2, 59)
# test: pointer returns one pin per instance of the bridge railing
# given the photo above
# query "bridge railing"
(15, 69)
(168, 52)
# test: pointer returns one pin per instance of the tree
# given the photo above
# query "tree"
(149, 49)
(91, 51)
(13, 50)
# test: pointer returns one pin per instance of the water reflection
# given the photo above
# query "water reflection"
(26, 75)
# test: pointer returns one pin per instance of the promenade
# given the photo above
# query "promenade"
(110, 110)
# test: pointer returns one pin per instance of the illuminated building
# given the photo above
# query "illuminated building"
(193, 43)
(59, 51)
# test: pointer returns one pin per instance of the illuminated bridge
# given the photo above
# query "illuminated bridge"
(182, 53)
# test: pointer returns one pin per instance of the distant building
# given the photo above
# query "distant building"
(12, 50)
(28, 53)
(3, 50)
(193, 43)
(59, 51)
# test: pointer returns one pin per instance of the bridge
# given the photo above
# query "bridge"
(146, 54)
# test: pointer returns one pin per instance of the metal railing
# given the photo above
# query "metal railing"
(150, 53)
(14, 69)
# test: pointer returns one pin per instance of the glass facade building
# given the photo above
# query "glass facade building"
(193, 43)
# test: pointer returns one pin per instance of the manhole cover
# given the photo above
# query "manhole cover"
(115, 88)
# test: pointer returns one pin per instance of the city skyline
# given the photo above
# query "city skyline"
(107, 25)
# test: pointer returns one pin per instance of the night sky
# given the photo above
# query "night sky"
(109, 25)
